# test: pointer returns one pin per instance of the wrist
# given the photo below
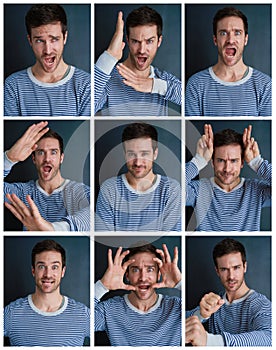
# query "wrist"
(11, 157)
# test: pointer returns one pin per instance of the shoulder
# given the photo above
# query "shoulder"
(14, 77)
(81, 75)
(166, 180)
(258, 300)
(261, 77)
(199, 76)
(77, 306)
(112, 182)
(163, 74)
(17, 304)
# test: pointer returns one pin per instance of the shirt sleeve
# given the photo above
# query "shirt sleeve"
(11, 108)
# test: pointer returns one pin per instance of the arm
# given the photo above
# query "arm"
(192, 99)
(106, 63)
(104, 220)
(172, 210)
(11, 107)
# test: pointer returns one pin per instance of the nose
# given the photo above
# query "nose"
(227, 166)
(142, 48)
(47, 47)
(138, 161)
(46, 272)
(142, 276)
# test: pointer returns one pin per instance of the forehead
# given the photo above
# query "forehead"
(230, 22)
(145, 258)
(48, 256)
(47, 29)
(228, 260)
(143, 32)
(229, 151)
(48, 142)
(141, 143)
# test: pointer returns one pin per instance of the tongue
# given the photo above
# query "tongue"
(47, 169)
(230, 52)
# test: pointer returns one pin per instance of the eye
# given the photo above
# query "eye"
(238, 32)
(222, 33)
(40, 267)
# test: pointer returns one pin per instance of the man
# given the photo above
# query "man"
(142, 317)
(239, 317)
(52, 203)
(230, 87)
(46, 317)
(139, 200)
(135, 87)
(228, 202)
(50, 87)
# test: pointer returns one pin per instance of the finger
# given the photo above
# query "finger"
(17, 204)
(175, 255)
(117, 256)
(33, 208)
(120, 22)
(109, 257)
(166, 253)
(12, 209)
(158, 261)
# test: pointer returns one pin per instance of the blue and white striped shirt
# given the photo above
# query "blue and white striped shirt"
(24, 95)
(67, 207)
(244, 322)
(121, 208)
(127, 326)
(26, 325)
(237, 210)
(114, 98)
(207, 95)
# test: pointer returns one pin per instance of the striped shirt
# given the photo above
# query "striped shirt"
(127, 326)
(207, 95)
(67, 207)
(24, 95)
(114, 98)
(244, 322)
(237, 210)
(26, 325)
(122, 208)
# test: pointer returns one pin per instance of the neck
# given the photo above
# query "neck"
(48, 302)
(230, 73)
(51, 185)
(143, 305)
(141, 74)
(241, 292)
(50, 77)
(141, 184)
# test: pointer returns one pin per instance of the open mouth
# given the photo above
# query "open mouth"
(144, 287)
(141, 60)
(47, 169)
(49, 61)
(230, 51)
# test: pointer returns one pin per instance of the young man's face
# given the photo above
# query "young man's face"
(227, 165)
(48, 271)
(231, 271)
(143, 43)
(139, 156)
(47, 158)
(230, 40)
(142, 274)
(47, 42)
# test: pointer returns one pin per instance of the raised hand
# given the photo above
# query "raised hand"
(205, 143)
(251, 148)
(29, 216)
(209, 304)
(133, 80)
(117, 44)
(113, 278)
(24, 146)
(170, 272)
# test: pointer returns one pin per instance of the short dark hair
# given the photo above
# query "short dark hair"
(144, 15)
(228, 246)
(46, 246)
(228, 137)
(137, 130)
(229, 12)
(54, 135)
(43, 14)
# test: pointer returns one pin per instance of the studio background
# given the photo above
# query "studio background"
(261, 131)
(18, 53)
(201, 277)
(109, 153)
(200, 50)
(76, 164)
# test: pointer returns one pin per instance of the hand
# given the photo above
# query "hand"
(113, 278)
(205, 143)
(209, 304)
(133, 80)
(30, 217)
(117, 45)
(24, 147)
(251, 148)
(195, 332)
(170, 272)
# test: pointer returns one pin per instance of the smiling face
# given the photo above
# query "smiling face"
(142, 274)
(47, 42)
(143, 43)
(227, 163)
(48, 271)
(230, 39)
(47, 159)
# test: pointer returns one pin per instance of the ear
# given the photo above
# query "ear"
(245, 267)
(215, 40)
(33, 158)
(246, 40)
(29, 40)
(158, 276)
(65, 37)
(126, 276)
(159, 41)
(155, 154)
(63, 272)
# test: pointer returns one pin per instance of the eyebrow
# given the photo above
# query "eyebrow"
(43, 262)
